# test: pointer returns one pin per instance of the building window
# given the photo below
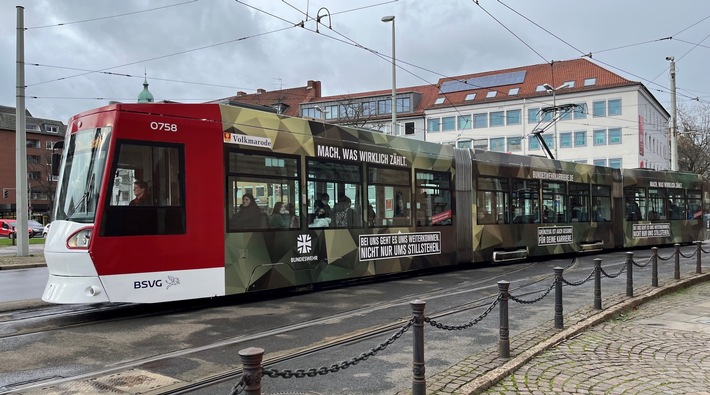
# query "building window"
(615, 136)
(33, 143)
(464, 144)
(541, 88)
(514, 144)
(566, 114)
(533, 115)
(439, 100)
(33, 159)
(614, 107)
(599, 162)
(384, 107)
(566, 140)
(513, 91)
(615, 163)
(512, 117)
(599, 109)
(52, 128)
(480, 121)
(434, 125)
(404, 104)
(34, 175)
(470, 96)
(369, 108)
(600, 137)
(549, 141)
(331, 112)
(481, 144)
(569, 84)
(491, 94)
(580, 139)
(448, 124)
(497, 118)
(580, 111)
(408, 128)
(498, 144)
(31, 126)
(49, 144)
(590, 81)
(464, 122)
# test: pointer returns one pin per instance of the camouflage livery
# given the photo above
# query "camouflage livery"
(648, 231)
(491, 238)
(266, 260)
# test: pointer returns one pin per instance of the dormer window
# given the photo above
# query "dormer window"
(470, 96)
(569, 84)
(541, 88)
(439, 100)
(513, 91)
(491, 94)
(590, 81)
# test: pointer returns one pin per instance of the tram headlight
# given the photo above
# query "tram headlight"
(80, 239)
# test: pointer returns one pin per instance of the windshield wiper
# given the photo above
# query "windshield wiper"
(88, 190)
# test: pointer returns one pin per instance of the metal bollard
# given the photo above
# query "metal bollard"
(654, 266)
(503, 333)
(13, 235)
(698, 254)
(418, 368)
(251, 364)
(598, 283)
(559, 323)
(676, 271)
(630, 274)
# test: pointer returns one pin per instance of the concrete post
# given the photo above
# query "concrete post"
(418, 368)
(503, 332)
(654, 266)
(251, 364)
(630, 274)
(598, 283)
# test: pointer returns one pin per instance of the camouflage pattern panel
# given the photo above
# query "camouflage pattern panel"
(263, 260)
(650, 217)
(706, 208)
(560, 236)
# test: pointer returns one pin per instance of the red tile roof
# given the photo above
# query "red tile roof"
(555, 74)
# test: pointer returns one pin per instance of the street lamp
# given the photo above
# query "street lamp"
(386, 19)
(552, 90)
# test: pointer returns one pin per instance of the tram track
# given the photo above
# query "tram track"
(484, 284)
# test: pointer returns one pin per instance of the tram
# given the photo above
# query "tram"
(166, 201)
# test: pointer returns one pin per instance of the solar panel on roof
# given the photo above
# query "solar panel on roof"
(488, 81)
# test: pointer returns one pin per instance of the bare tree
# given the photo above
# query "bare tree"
(694, 139)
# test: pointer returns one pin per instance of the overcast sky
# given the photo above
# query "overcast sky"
(200, 50)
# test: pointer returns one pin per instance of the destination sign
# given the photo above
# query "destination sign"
(232, 138)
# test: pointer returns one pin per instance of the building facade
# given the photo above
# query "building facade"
(583, 112)
(42, 134)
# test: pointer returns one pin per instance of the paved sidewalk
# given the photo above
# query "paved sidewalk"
(654, 343)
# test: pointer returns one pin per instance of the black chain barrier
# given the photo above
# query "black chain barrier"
(301, 373)
(642, 264)
(589, 277)
(666, 259)
(607, 275)
(695, 251)
(239, 387)
(703, 250)
(466, 325)
(521, 301)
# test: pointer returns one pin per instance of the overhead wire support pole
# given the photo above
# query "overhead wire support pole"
(21, 141)
(674, 122)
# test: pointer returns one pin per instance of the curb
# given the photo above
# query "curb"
(22, 266)
(492, 377)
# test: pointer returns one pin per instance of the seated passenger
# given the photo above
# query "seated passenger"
(248, 216)
(320, 221)
(280, 216)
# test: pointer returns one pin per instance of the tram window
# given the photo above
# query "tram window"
(493, 201)
(391, 191)
(554, 198)
(657, 208)
(676, 204)
(635, 203)
(433, 199)
(579, 202)
(525, 201)
(695, 204)
(272, 183)
(155, 171)
(601, 203)
(343, 185)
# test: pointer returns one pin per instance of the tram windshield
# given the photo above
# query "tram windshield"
(81, 175)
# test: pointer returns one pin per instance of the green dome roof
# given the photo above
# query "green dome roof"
(145, 96)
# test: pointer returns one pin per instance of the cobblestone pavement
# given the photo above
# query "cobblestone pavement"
(653, 343)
